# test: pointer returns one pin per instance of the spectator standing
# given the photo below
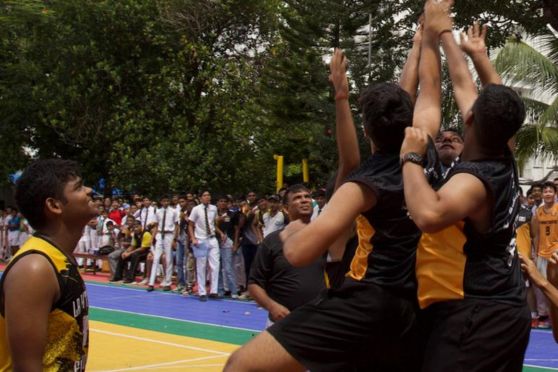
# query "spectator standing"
(13, 226)
(166, 234)
(201, 229)
(225, 227)
(273, 219)
(146, 215)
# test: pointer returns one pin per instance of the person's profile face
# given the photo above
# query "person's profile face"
(78, 206)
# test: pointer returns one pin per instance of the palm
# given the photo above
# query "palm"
(534, 65)
(474, 45)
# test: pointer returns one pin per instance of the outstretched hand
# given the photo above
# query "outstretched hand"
(437, 16)
(338, 74)
(474, 41)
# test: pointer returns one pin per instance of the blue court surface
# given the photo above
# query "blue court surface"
(542, 353)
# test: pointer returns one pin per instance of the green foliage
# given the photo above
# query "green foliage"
(534, 67)
(182, 94)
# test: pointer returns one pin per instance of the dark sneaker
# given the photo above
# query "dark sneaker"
(166, 288)
(150, 288)
(214, 296)
(203, 298)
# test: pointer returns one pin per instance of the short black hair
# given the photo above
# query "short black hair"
(41, 180)
(549, 184)
(498, 114)
(292, 189)
(387, 110)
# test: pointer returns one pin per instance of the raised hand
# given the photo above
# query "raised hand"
(474, 41)
(437, 16)
(338, 74)
(416, 140)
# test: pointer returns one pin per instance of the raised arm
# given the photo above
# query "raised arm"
(464, 88)
(427, 115)
(345, 132)
(409, 75)
(474, 44)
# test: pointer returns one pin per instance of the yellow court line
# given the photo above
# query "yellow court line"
(120, 348)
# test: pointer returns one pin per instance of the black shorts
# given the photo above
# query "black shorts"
(358, 327)
(474, 335)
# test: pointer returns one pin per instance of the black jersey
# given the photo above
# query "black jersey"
(388, 238)
(68, 340)
(459, 262)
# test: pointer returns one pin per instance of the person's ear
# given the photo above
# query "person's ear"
(53, 206)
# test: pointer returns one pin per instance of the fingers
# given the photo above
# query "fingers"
(476, 29)
(484, 31)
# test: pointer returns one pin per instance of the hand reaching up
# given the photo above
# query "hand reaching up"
(474, 41)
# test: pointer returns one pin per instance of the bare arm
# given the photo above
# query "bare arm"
(31, 288)
(345, 132)
(548, 287)
(303, 244)
(462, 196)
(409, 76)
(427, 114)
(191, 227)
(474, 44)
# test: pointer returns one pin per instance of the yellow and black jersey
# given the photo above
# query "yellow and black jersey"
(548, 230)
(386, 252)
(458, 262)
(523, 231)
(68, 340)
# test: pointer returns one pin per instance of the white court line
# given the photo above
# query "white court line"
(541, 360)
(166, 364)
(536, 366)
(221, 353)
(180, 320)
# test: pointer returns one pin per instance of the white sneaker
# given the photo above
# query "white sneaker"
(234, 296)
(143, 282)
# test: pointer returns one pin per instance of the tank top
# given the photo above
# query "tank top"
(68, 332)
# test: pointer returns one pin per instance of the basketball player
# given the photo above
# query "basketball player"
(43, 301)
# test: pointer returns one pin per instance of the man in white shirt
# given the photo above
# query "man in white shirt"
(146, 215)
(273, 219)
(166, 234)
(205, 244)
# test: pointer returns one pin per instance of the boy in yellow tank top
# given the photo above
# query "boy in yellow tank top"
(43, 301)
(545, 236)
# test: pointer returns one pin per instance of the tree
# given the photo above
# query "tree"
(533, 67)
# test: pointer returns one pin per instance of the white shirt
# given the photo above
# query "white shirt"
(171, 219)
(197, 216)
(146, 216)
(273, 223)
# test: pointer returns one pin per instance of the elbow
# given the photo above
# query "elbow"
(428, 223)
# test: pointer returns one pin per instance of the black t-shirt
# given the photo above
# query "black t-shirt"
(492, 268)
(386, 253)
(227, 223)
(290, 286)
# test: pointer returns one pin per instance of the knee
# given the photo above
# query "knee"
(235, 362)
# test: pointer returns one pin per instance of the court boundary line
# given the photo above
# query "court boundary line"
(146, 339)
(166, 293)
(541, 367)
(176, 319)
(165, 364)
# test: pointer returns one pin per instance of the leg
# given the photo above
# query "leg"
(263, 353)
(114, 259)
(238, 267)
(213, 259)
(190, 267)
(201, 266)
(228, 273)
(180, 274)
(156, 257)
(168, 260)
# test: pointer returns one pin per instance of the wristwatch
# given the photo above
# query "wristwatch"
(413, 157)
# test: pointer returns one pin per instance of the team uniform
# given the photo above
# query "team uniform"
(547, 234)
(471, 290)
(68, 334)
(370, 321)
